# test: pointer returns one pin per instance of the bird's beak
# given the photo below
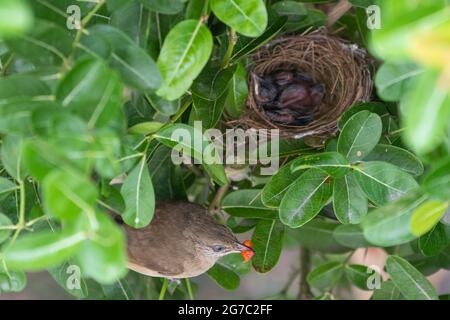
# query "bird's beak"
(240, 247)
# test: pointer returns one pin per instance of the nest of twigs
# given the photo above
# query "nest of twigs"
(339, 65)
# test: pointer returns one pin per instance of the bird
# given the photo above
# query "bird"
(265, 89)
(183, 240)
(298, 96)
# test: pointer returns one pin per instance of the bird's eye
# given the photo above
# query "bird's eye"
(218, 248)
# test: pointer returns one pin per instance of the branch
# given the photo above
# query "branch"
(304, 292)
(338, 11)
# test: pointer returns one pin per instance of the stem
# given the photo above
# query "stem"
(162, 293)
(304, 292)
(189, 289)
(182, 110)
(21, 223)
(338, 11)
(84, 22)
(232, 39)
(215, 204)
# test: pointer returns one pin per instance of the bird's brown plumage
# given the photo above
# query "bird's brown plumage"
(178, 241)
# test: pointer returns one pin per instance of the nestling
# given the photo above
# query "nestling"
(182, 241)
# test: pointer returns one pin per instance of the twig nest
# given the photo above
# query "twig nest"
(340, 66)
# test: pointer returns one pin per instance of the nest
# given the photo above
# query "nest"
(340, 65)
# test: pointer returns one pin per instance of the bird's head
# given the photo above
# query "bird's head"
(218, 241)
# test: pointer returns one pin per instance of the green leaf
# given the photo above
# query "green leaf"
(224, 277)
(164, 6)
(373, 107)
(313, 18)
(295, 11)
(426, 110)
(15, 17)
(305, 198)
(137, 191)
(193, 143)
(359, 135)
(12, 282)
(434, 241)
(332, 163)
(427, 215)
(136, 67)
(394, 79)
(410, 282)
(145, 128)
(326, 275)
(236, 263)
(103, 256)
(274, 190)
(67, 195)
(399, 157)
(383, 182)
(248, 17)
(42, 250)
(247, 204)
(360, 275)
(349, 201)
(166, 108)
(268, 242)
(390, 225)
(185, 52)
(46, 44)
(387, 291)
(41, 157)
(4, 222)
(94, 92)
(351, 236)
(69, 273)
(245, 46)
(237, 95)
(22, 85)
(437, 181)
(11, 155)
(6, 187)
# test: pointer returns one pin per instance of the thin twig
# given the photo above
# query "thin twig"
(304, 292)
(338, 11)
(215, 204)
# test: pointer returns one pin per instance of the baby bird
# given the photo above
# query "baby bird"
(183, 240)
(265, 89)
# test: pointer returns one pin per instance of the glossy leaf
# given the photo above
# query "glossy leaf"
(12, 282)
(427, 215)
(434, 241)
(185, 52)
(37, 251)
(349, 201)
(390, 225)
(68, 195)
(360, 275)
(248, 17)
(237, 96)
(103, 257)
(387, 291)
(437, 181)
(351, 236)
(305, 198)
(224, 277)
(137, 191)
(383, 182)
(268, 242)
(373, 107)
(274, 190)
(399, 157)
(11, 153)
(247, 204)
(332, 163)
(410, 282)
(326, 275)
(94, 92)
(359, 135)
(136, 67)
